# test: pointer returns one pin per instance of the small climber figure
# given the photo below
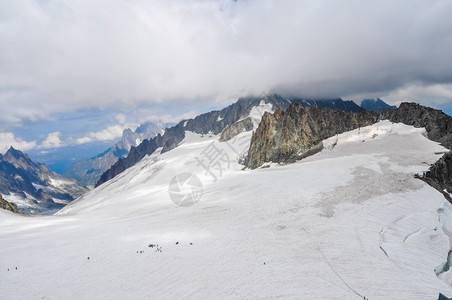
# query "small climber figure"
(16, 268)
(87, 258)
(177, 243)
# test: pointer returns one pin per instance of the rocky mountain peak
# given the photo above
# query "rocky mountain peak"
(34, 183)
(19, 159)
(88, 171)
(437, 124)
(286, 136)
(298, 132)
(14, 154)
(213, 122)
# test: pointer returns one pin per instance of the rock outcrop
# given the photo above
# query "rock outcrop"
(437, 124)
(8, 205)
(40, 190)
(287, 136)
(88, 171)
(439, 175)
(236, 128)
(213, 122)
(298, 132)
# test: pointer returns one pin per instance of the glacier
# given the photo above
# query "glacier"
(346, 223)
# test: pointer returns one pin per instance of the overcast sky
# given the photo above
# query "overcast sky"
(134, 60)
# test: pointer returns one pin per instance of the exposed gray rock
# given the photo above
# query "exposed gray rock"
(236, 128)
(298, 132)
(88, 171)
(213, 122)
(43, 190)
(8, 205)
(439, 175)
(437, 124)
(287, 136)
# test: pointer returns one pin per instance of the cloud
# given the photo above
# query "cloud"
(121, 118)
(108, 134)
(434, 94)
(7, 139)
(52, 141)
(58, 56)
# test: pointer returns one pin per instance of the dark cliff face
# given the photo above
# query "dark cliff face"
(135, 155)
(213, 122)
(291, 135)
(437, 124)
(439, 175)
(287, 136)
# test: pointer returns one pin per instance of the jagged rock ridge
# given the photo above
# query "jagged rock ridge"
(87, 172)
(38, 189)
(439, 175)
(336, 103)
(294, 134)
(298, 132)
(208, 123)
(437, 124)
(236, 128)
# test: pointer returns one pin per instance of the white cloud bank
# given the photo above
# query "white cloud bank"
(52, 141)
(62, 55)
(108, 134)
(7, 139)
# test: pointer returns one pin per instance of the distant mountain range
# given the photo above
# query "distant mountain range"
(217, 121)
(337, 104)
(213, 122)
(376, 105)
(36, 189)
(32, 186)
(88, 171)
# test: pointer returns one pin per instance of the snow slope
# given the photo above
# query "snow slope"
(347, 223)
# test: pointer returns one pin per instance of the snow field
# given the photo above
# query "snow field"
(348, 222)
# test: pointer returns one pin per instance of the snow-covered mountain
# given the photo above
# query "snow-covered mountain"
(32, 186)
(349, 222)
(214, 122)
(298, 132)
(231, 120)
(88, 171)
